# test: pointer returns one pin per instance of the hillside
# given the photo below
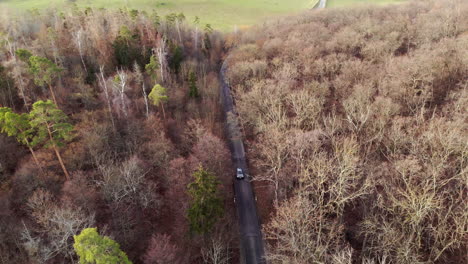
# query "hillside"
(356, 128)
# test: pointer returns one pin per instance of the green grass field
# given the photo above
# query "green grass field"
(341, 3)
(221, 14)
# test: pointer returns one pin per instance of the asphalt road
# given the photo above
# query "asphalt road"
(251, 240)
(322, 4)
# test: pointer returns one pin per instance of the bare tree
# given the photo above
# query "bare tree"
(301, 233)
(216, 251)
(120, 85)
(306, 107)
(141, 80)
(126, 184)
(162, 53)
(162, 251)
(358, 107)
(58, 225)
(79, 39)
(103, 83)
(272, 153)
(18, 72)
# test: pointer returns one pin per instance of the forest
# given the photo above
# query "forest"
(356, 128)
(111, 124)
(112, 145)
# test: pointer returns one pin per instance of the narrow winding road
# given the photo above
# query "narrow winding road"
(251, 239)
(322, 4)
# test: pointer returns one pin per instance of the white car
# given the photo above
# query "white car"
(240, 174)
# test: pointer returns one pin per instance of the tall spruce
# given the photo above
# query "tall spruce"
(193, 89)
(206, 206)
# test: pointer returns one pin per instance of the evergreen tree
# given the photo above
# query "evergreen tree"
(158, 96)
(23, 55)
(206, 206)
(207, 41)
(193, 92)
(93, 248)
(176, 59)
(18, 126)
(127, 48)
(152, 67)
(8, 93)
(44, 72)
(50, 128)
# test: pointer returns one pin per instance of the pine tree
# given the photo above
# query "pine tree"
(193, 92)
(152, 67)
(206, 206)
(50, 128)
(93, 248)
(158, 96)
(44, 72)
(18, 126)
(176, 58)
(23, 55)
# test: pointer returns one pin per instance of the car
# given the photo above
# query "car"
(240, 174)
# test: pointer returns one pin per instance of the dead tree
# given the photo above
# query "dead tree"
(120, 84)
(103, 84)
(78, 39)
(162, 53)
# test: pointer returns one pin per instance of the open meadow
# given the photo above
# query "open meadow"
(225, 15)
(221, 14)
(347, 3)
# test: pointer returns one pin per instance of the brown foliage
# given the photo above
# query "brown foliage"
(360, 107)
(162, 251)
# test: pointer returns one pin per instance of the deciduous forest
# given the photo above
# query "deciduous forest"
(356, 122)
(112, 146)
(107, 117)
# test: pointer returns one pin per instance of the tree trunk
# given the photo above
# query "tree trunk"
(61, 162)
(146, 99)
(82, 60)
(36, 160)
(10, 95)
(178, 31)
(57, 153)
(106, 92)
(53, 95)
(164, 113)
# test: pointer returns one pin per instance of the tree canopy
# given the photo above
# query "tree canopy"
(23, 54)
(158, 95)
(15, 125)
(152, 67)
(206, 206)
(50, 124)
(193, 91)
(43, 70)
(93, 248)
